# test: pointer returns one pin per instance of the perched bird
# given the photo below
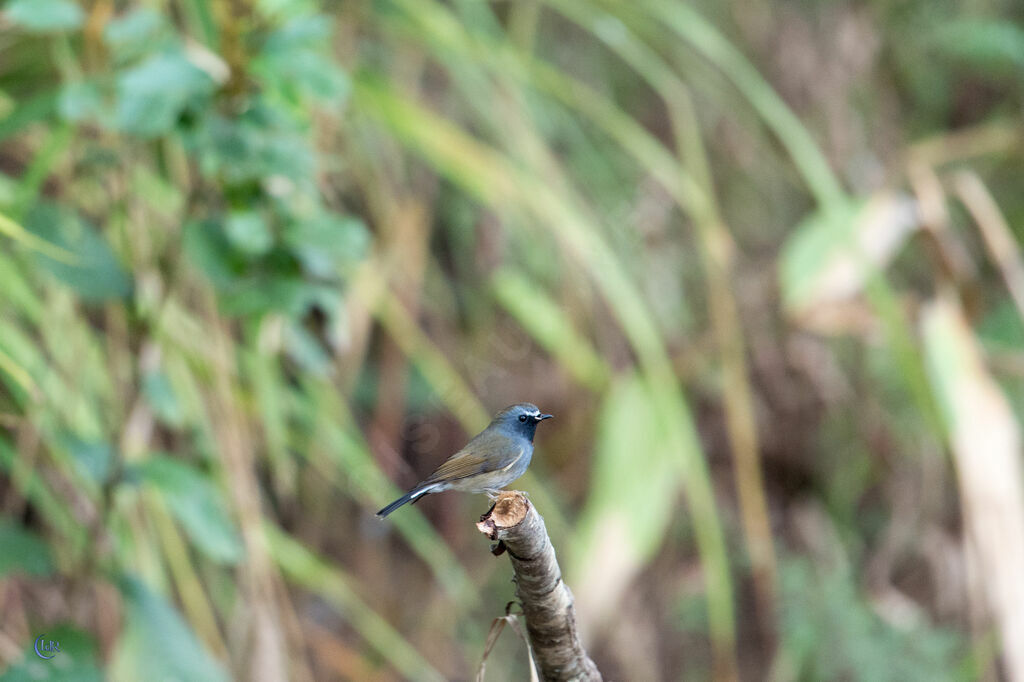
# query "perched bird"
(494, 458)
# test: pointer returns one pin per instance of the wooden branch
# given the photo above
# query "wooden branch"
(546, 600)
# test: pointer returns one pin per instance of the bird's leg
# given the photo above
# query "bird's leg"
(492, 494)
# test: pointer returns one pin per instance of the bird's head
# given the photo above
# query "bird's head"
(520, 419)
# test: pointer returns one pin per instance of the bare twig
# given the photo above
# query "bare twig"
(546, 600)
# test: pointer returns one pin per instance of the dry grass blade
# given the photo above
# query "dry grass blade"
(997, 137)
(260, 577)
(955, 259)
(986, 441)
(497, 626)
(999, 239)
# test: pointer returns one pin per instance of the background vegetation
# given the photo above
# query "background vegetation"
(264, 263)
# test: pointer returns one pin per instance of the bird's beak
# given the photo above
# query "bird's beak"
(542, 417)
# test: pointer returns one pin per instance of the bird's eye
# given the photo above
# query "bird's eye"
(522, 417)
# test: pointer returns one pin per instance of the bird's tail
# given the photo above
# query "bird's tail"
(410, 496)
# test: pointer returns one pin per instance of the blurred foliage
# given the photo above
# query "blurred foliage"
(265, 263)
(832, 635)
(78, 660)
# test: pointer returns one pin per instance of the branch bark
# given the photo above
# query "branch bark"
(546, 599)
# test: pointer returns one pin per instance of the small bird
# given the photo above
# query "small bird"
(494, 458)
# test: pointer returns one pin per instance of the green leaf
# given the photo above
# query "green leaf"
(44, 16)
(95, 274)
(31, 109)
(152, 95)
(805, 253)
(93, 459)
(134, 33)
(636, 477)
(994, 47)
(277, 293)
(328, 242)
(832, 254)
(259, 145)
(156, 643)
(1001, 329)
(196, 503)
(161, 397)
(8, 191)
(308, 72)
(310, 31)
(248, 232)
(23, 551)
(75, 661)
(208, 250)
(305, 349)
(278, 9)
(13, 230)
(80, 102)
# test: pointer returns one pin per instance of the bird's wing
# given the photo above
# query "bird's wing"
(469, 461)
(460, 465)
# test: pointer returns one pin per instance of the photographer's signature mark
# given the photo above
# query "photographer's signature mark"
(46, 645)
